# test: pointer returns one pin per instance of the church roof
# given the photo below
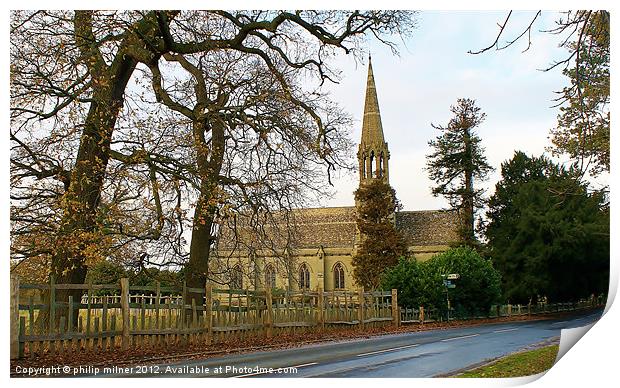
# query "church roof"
(311, 228)
(331, 227)
(334, 227)
(428, 227)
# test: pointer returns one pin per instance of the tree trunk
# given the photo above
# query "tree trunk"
(468, 195)
(78, 233)
(209, 160)
(197, 268)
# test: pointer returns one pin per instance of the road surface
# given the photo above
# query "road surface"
(420, 354)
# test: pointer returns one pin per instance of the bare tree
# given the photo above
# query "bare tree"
(69, 81)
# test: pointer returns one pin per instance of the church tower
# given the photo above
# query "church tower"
(373, 154)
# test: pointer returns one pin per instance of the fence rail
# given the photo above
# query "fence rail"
(422, 315)
(145, 316)
(135, 317)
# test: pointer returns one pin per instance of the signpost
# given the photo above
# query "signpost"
(447, 282)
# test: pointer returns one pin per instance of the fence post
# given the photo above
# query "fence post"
(509, 309)
(22, 333)
(125, 312)
(209, 310)
(421, 317)
(15, 316)
(157, 303)
(181, 327)
(395, 311)
(321, 303)
(52, 319)
(268, 303)
(360, 310)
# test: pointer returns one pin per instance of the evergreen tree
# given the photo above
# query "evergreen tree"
(381, 244)
(457, 161)
(548, 235)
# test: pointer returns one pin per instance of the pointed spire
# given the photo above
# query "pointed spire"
(372, 130)
(373, 153)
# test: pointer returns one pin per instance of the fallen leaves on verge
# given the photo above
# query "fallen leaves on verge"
(249, 343)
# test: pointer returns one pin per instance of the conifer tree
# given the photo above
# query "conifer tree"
(458, 161)
(548, 232)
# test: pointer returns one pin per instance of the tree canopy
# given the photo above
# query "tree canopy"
(582, 131)
(118, 118)
(547, 233)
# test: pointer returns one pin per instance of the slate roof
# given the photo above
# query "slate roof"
(428, 227)
(335, 228)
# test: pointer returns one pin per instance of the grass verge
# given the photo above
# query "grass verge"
(519, 364)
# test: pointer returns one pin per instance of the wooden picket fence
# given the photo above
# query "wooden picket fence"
(135, 317)
(422, 315)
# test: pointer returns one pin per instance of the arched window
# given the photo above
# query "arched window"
(339, 276)
(372, 160)
(270, 276)
(304, 276)
(236, 278)
(381, 165)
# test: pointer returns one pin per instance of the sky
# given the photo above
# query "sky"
(432, 71)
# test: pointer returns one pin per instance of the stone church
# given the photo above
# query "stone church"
(326, 238)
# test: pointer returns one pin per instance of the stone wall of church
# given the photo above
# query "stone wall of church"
(320, 265)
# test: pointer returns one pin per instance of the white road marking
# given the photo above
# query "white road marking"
(387, 350)
(251, 374)
(284, 367)
(456, 338)
(302, 365)
(505, 330)
(558, 323)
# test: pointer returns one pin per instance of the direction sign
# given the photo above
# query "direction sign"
(453, 276)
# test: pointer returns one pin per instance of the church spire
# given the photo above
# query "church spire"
(372, 130)
(373, 151)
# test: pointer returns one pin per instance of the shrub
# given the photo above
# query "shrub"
(406, 278)
(478, 287)
(421, 284)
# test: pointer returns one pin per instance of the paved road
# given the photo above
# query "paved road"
(422, 354)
